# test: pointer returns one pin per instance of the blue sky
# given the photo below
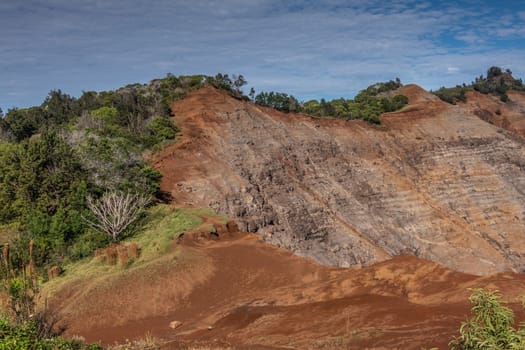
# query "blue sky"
(309, 48)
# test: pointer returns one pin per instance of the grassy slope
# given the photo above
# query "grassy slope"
(162, 225)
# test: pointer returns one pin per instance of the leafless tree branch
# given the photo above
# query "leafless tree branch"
(115, 211)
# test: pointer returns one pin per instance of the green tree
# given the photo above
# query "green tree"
(38, 176)
(107, 121)
(108, 115)
(58, 108)
(162, 129)
(89, 100)
(239, 82)
(221, 81)
(24, 122)
(277, 100)
(493, 72)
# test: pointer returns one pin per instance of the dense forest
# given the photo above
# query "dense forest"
(56, 156)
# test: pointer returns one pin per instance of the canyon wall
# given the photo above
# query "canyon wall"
(434, 180)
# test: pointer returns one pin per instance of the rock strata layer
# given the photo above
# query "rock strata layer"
(435, 180)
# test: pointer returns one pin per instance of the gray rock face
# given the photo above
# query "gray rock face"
(435, 181)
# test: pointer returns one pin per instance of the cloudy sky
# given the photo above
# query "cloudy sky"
(309, 48)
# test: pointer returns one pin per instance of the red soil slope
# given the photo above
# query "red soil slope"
(249, 294)
(508, 115)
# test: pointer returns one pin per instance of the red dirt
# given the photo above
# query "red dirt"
(237, 292)
(507, 115)
(260, 295)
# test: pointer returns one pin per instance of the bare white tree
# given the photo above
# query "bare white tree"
(115, 211)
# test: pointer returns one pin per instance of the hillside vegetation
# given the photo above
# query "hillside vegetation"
(497, 82)
(162, 226)
(71, 173)
(72, 167)
(368, 104)
(56, 155)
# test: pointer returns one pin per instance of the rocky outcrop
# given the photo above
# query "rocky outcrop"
(435, 181)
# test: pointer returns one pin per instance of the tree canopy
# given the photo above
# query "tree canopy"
(368, 104)
(498, 81)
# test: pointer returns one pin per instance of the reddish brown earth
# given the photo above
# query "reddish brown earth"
(434, 181)
(437, 181)
(239, 292)
(507, 115)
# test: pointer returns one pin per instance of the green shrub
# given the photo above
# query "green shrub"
(25, 336)
(86, 244)
(162, 129)
(452, 95)
(368, 104)
(109, 115)
(491, 325)
(22, 325)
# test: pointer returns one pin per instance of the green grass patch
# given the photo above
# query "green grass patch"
(208, 212)
(161, 226)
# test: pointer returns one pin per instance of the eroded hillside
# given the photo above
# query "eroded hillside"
(509, 115)
(434, 180)
(227, 290)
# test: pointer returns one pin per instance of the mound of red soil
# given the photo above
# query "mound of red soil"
(508, 115)
(259, 295)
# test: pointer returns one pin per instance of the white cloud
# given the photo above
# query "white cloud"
(304, 47)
